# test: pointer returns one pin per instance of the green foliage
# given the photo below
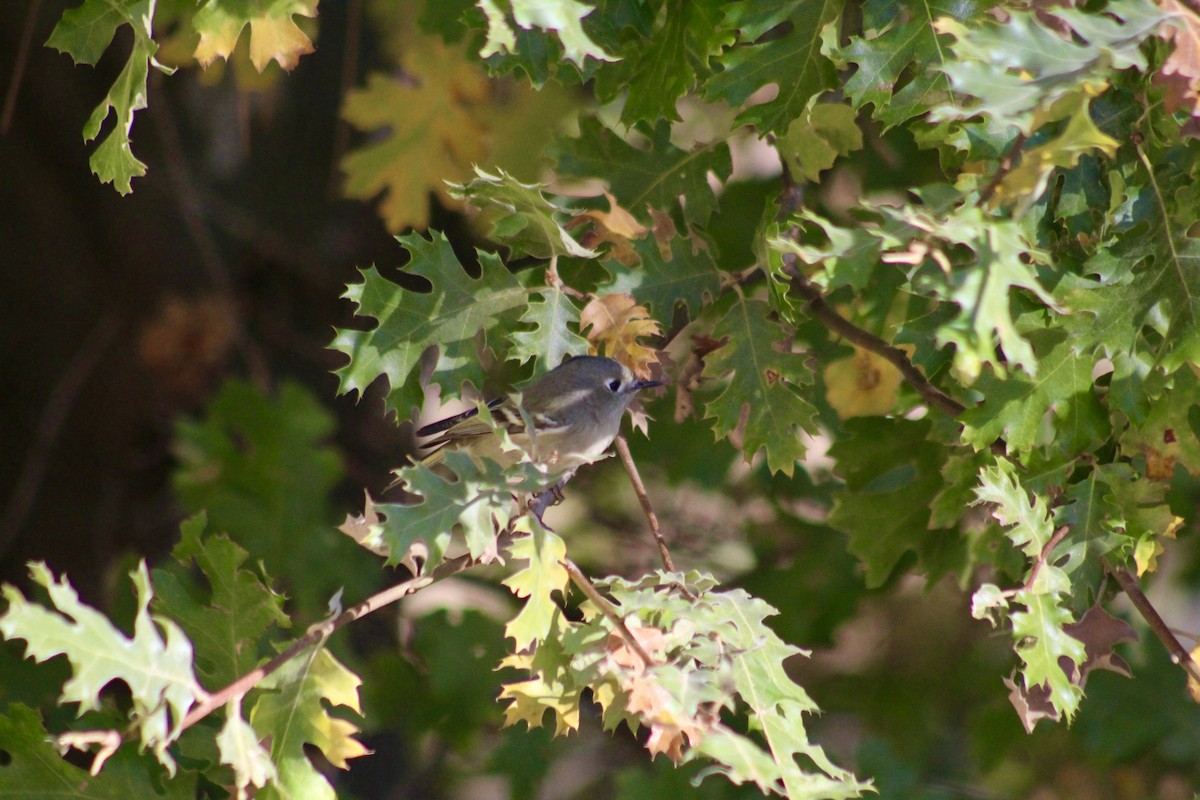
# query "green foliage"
(892, 472)
(1019, 299)
(659, 174)
(899, 38)
(84, 33)
(525, 221)
(292, 713)
(408, 323)
(710, 652)
(1037, 631)
(33, 763)
(760, 400)
(155, 663)
(262, 468)
(238, 608)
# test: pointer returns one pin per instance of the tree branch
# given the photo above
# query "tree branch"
(321, 631)
(639, 489)
(818, 307)
(1006, 165)
(1179, 654)
(606, 608)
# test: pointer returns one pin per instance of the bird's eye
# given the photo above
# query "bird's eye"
(614, 385)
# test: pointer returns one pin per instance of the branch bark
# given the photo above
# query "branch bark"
(322, 631)
(817, 306)
(1179, 654)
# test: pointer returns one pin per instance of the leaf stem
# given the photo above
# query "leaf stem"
(606, 608)
(1041, 560)
(1175, 648)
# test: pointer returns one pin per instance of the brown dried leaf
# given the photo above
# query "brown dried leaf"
(185, 344)
(613, 323)
(1181, 70)
(1032, 705)
(365, 529)
(1100, 632)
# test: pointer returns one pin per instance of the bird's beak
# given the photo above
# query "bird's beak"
(637, 386)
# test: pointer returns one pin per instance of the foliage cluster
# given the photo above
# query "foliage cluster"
(924, 274)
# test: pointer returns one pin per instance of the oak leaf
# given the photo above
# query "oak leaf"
(613, 324)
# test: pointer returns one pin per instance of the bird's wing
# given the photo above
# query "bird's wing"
(449, 422)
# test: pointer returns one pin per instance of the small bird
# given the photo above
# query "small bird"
(576, 410)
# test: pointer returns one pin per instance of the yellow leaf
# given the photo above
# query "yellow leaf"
(613, 323)
(862, 385)
(273, 34)
(1146, 554)
(1193, 686)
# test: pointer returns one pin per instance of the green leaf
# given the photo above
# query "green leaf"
(760, 399)
(982, 287)
(563, 16)
(689, 276)
(237, 611)
(292, 713)
(479, 499)
(814, 140)
(263, 468)
(1170, 433)
(898, 39)
(538, 580)
(238, 743)
(793, 62)
(34, 768)
(658, 175)
(155, 663)
(84, 33)
(846, 256)
(1038, 635)
(450, 316)
(777, 704)
(892, 474)
(1060, 406)
(1080, 136)
(555, 321)
(527, 224)
(1147, 272)
(1023, 73)
(661, 64)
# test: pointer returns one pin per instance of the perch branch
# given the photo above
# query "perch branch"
(639, 489)
(1179, 654)
(606, 608)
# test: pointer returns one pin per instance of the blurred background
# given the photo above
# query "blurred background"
(165, 352)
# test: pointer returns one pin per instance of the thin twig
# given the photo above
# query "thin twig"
(817, 306)
(1175, 648)
(318, 633)
(341, 134)
(18, 70)
(606, 608)
(1006, 165)
(54, 413)
(639, 489)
